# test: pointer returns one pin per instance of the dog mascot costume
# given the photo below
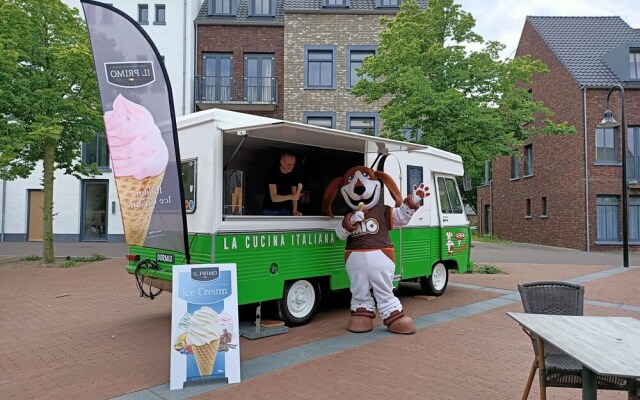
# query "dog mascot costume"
(369, 253)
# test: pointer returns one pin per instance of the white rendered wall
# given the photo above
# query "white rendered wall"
(174, 40)
(67, 196)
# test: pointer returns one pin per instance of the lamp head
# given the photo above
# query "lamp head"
(608, 121)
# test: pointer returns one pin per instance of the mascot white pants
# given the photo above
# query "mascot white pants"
(369, 253)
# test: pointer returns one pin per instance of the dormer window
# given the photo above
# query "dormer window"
(634, 64)
(388, 3)
(336, 3)
(262, 8)
(220, 7)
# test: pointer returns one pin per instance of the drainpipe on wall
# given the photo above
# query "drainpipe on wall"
(491, 205)
(586, 168)
(4, 208)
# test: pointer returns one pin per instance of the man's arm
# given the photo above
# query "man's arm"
(279, 198)
(295, 193)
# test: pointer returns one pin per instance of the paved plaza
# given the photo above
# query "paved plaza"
(84, 333)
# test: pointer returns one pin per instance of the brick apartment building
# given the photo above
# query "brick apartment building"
(566, 191)
(240, 56)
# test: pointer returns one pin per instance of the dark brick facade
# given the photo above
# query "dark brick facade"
(240, 40)
(561, 174)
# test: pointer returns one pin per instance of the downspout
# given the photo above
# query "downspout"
(184, 58)
(4, 209)
(491, 206)
(586, 168)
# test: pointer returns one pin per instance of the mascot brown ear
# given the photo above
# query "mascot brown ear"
(391, 186)
(330, 194)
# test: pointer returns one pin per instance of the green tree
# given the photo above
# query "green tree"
(49, 100)
(466, 102)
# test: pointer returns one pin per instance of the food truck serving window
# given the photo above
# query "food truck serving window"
(189, 171)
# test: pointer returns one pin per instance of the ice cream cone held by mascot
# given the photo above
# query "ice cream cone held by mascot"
(369, 252)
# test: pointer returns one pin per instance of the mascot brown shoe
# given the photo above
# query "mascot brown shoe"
(397, 322)
(361, 321)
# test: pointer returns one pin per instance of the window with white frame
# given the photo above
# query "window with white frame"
(356, 56)
(528, 160)
(320, 67)
(544, 205)
(607, 145)
(220, 7)
(160, 15)
(634, 64)
(527, 212)
(607, 218)
(325, 119)
(143, 14)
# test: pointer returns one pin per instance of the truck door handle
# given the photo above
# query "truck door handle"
(445, 219)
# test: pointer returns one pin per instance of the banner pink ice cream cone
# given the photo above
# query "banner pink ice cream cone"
(139, 156)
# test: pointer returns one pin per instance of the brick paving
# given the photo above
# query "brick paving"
(84, 333)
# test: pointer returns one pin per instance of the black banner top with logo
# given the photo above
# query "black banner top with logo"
(141, 129)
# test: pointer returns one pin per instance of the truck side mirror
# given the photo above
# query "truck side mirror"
(466, 183)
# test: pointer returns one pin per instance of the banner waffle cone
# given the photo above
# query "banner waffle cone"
(206, 356)
(137, 201)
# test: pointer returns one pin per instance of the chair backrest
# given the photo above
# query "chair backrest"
(552, 297)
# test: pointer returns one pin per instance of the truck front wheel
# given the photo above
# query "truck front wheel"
(436, 283)
(299, 302)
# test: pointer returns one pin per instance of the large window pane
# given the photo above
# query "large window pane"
(607, 144)
(356, 60)
(96, 151)
(607, 218)
(320, 68)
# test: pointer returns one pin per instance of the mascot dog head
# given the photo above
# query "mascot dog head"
(360, 185)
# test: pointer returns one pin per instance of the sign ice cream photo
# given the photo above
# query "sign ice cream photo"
(204, 328)
(140, 126)
(139, 157)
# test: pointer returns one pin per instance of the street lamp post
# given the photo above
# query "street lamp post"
(609, 122)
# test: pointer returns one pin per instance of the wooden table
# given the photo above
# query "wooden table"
(603, 345)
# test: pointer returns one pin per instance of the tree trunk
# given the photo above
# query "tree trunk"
(47, 226)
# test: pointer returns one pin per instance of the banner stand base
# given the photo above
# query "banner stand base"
(252, 331)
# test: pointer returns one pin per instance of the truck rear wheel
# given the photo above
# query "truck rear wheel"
(299, 302)
(436, 283)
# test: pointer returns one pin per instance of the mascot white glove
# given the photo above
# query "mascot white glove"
(357, 216)
(419, 192)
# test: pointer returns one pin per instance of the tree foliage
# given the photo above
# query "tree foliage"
(467, 102)
(49, 102)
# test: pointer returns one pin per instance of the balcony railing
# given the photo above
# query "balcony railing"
(258, 93)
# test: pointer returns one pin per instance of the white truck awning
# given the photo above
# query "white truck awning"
(303, 134)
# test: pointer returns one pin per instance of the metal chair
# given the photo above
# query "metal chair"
(557, 369)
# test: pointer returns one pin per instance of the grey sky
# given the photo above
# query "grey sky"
(502, 20)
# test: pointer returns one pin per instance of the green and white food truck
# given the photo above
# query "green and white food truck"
(292, 260)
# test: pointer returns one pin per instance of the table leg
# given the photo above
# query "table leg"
(589, 384)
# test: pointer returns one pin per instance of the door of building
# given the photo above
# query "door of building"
(487, 220)
(36, 204)
(217, 77)
(93, 218)
(259, 79)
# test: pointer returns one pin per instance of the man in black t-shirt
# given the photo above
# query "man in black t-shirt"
(283, 188)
